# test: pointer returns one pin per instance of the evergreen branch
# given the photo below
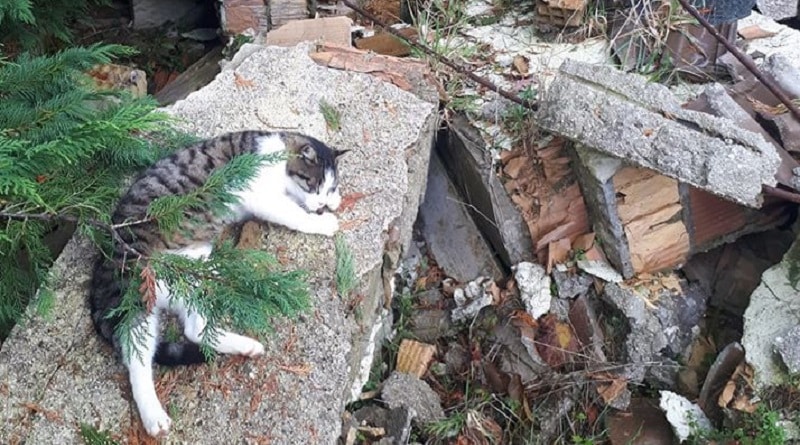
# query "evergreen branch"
(61, 217)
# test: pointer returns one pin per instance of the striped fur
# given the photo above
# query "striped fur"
(295, 193)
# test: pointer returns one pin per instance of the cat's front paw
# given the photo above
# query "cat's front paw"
(156, 422)
(326, 224)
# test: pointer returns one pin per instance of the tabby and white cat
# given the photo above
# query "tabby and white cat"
(294, 193)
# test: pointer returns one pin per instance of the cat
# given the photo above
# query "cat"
(294, 192)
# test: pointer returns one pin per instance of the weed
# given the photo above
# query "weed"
(93, 436)
(174, 410)
(759, 428)
(345, 267)
(448, 427)
(332, 116)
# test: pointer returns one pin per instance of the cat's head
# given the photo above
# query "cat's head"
(312, 168)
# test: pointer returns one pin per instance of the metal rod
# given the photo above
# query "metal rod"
(746, 61)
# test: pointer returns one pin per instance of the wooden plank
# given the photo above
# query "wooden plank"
(198, 75)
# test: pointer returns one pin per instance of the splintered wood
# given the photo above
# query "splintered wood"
(541, 183)
(649, 207)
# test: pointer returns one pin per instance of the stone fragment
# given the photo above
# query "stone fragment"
(402, 390)
(570, 285)
(534, 288)
(774, 310)
(456, 359)
(684, 416)
(788, 346)
(429, 325)
(471, 299)
(396, 423)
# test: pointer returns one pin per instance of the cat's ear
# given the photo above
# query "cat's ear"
(337, 153)
(308, 153)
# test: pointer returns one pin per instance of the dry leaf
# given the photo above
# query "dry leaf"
(557, 252)
(584, 242)
(241, 82)
(352, 224)
(556, 343)
(521, 65)
(515, 166)
(754, 32)
(609, 392)
(349, 201)
(726, 395)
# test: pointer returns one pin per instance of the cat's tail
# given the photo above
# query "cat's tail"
(171, 353)
(106, 294)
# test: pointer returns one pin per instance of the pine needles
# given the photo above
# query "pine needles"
(61, 154)
(345, 267)
(243, 288)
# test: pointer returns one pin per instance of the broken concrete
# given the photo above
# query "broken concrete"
(684, 416)
(778, 9)
(403, 390)
(630, 118)
(58, 363)
(788, 346)
(775, 300)
(466, 156)
(453, 239)
(534, 288)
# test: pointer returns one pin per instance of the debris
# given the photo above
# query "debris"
(395, 423)
(335, 30)
(456, 359)
(778, 9)
(683, 415)
(465, 156)
(560, 13)
(641, 424)
(775, 299)
(430, 325)
(600, 269)
(753, 32)
(414, 357)
(471, 299)
(571, 284)
(408, 74)
(403, 390)
(541, 182)
(583, 319)
(556, 342)
(613, 390)
(718, 375)
(199, 74)
(452, 236)
(534, 288)
(788, 346)
(628, 117)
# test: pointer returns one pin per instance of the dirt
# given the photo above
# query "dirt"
(387, 11)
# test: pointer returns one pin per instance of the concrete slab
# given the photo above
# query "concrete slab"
(452, 236)
(641, 123)
(56, 374)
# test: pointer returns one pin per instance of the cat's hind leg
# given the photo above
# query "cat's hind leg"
(156, 421)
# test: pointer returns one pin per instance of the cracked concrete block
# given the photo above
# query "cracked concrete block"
(641, 123)
(773, 312)
(57, 362)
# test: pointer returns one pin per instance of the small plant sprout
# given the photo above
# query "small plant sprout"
(332, 116)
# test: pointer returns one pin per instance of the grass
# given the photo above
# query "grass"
(93, 436)
(332, 116)
(345, 267)
(759, 428)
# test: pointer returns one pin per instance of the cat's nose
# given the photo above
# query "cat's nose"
(320, 210)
